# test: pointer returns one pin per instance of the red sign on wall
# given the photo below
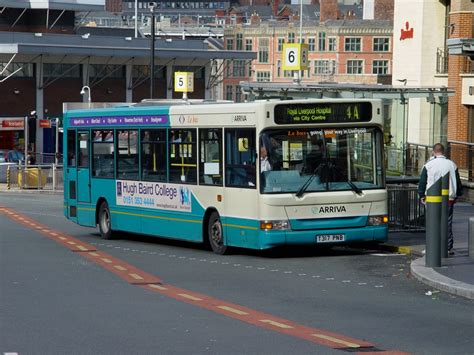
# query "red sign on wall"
(45, 123)
(406, 34)
(13, 123)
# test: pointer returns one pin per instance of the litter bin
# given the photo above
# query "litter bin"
(32, 178)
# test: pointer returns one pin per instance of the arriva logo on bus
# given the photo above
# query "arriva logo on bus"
(328, 209)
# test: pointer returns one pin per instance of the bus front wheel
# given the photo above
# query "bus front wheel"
(105, 225)
(216, 234)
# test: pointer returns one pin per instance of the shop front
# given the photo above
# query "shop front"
(12, 133)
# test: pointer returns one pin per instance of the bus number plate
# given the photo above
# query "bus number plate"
(330, 238)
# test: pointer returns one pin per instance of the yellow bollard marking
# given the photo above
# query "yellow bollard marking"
(276, 324)
(433, 199)
(158, 287)
(233, 310)
(105, 260)
(336, 340)
(121, 268)
(136, 276)
(445, 192)
(189, 297)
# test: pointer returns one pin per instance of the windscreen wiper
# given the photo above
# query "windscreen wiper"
(354, 187)
(308, 182)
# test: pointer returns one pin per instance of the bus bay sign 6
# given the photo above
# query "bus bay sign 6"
(296, 56)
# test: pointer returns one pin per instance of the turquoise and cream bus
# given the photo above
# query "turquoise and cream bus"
(252, 175)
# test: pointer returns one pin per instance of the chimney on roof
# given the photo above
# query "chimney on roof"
(275, 4)
(328, 10)
(114, 6)
(383, 10)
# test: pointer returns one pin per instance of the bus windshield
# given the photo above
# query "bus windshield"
(314, 160)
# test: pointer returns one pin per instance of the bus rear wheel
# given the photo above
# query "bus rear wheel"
(105, 225)
(215, 234)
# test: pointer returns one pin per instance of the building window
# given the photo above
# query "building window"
(238, 42)
(229, 95)
(332, 44)
(311, 44)
(263, 76)
(288, 73)
(106, 71)
(248, 44)
(278, 68)
(229, 44)
(355, 67)
(291, 37)
(239, 68)
(380, 67)
(381, 44)
(238, 94)
(352, 44)
(25, 70)
(322, 41)
(324, 67)
(61, 70)
(281, 41)
(263, 50)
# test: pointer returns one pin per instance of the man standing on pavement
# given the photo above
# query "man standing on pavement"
(434, 169)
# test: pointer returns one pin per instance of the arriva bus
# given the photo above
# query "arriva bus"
(252, 175)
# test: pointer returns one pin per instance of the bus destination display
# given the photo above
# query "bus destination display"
(329, 112)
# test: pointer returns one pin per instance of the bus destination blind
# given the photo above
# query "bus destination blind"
(330, 112)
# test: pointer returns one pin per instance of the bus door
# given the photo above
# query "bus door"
(70, 182)
(83, 167)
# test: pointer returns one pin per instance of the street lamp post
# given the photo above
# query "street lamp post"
(152, 6)
(83, 92)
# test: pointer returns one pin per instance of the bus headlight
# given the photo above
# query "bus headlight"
(377, 220)
(274, 225)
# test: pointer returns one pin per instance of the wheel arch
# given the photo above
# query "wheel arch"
(205, 223)
(100, 200)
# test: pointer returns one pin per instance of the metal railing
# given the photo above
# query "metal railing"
(416, 157)
(442, 61)
(405, 211)
(462, 153)
(47, 177)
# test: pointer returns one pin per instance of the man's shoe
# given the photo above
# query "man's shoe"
(451, 252)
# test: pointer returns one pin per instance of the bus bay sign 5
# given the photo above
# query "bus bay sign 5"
(183, 81)
(296, 56)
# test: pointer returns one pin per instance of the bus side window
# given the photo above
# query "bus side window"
(103, 153)
(240, 156)
(153, 146)
(71, 148)
(210, 153)
(127, 154)
(182, 155)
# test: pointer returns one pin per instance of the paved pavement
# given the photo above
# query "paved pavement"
(456, 275)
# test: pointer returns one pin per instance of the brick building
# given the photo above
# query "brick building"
(342, 51)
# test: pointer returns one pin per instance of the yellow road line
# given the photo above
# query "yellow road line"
(136, 276)
(276, 324)
(72, 243)
(158, 287)
(189, 297)
(80, 247)
(105, 260)
(233, 310)
(121, 268)
(94, 254)
(336, 340)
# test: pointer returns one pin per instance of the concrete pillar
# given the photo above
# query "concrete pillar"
(169, 79)
(128, 83)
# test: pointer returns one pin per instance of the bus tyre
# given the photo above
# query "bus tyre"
(105, 225)
(215, 234)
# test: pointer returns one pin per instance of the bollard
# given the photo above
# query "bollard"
(8, 177)
(433, 233)
(470, 238)
(444, 215)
